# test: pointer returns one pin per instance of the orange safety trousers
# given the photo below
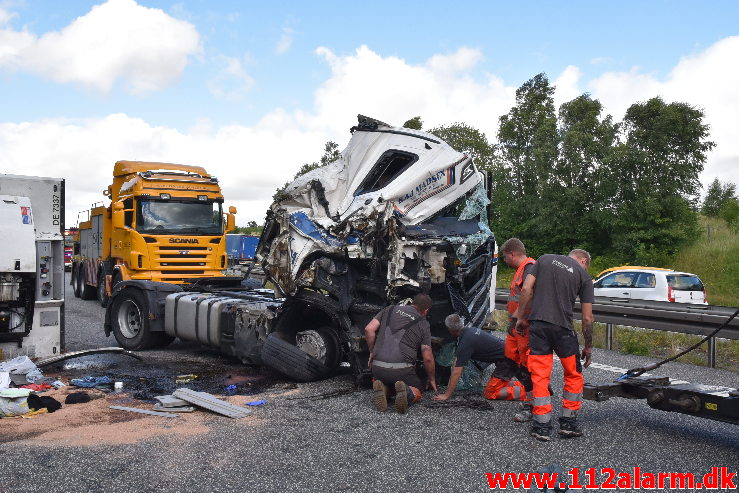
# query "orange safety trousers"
(545, 339)
(516, 348)
(502, 390)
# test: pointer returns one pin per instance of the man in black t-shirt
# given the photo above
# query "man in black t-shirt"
(394, 338)
(473, 343)
(547, 301)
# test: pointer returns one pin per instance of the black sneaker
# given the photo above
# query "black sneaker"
(379, 395)
(542, 432)
(401, 397)
(568, 428)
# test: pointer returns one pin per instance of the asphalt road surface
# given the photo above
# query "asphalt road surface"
(326, 436)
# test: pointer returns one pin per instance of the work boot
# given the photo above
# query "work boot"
(541, 431)
(524, 415)
(568, 428)
(401, 397)
(379, 395)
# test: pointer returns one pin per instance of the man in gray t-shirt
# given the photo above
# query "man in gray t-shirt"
(394, 338)
(547, 299)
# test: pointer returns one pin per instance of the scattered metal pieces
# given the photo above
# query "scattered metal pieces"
(170, 401)
(208, 401)
(181, 379)
(174, 409)
(86, 352)
(144, 411)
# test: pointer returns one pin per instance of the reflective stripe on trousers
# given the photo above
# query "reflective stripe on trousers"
(540, 367)
(572, 394)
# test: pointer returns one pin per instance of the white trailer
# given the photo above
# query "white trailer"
(31, 266)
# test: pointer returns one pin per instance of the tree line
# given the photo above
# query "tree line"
(573, 177)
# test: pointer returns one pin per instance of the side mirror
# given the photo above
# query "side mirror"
(230, 221)
(231, 209)
(118, 215)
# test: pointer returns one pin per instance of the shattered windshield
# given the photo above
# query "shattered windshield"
(172, 217)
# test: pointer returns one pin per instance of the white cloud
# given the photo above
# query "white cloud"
(231, 82)
(285, 42)
(117, 40)
(706, 80)
(442, 90)
(567, 85)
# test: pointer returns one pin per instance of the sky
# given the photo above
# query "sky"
(252, 90)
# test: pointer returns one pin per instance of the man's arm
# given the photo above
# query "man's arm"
(429, 365)
(524, 303)
(587, 332)
(453, 381)
(370, 335)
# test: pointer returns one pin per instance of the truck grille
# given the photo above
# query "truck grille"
(184, 260)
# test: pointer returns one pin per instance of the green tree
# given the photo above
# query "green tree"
(527, 145)
(730, 213)
(415, 123)
(573, 211)
(468, 140)
(655, 178)
(717, 195)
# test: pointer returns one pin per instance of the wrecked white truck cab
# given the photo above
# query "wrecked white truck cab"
(399, 213)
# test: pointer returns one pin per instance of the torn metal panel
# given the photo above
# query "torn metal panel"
(144, 411)
(211, 403)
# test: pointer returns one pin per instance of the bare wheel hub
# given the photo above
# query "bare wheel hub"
(312, 343)
(129, 319)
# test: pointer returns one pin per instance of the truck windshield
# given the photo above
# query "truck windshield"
(174, 217)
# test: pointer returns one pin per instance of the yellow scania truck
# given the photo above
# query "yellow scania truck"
(165, 223)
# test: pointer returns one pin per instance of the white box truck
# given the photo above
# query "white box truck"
(31, 266)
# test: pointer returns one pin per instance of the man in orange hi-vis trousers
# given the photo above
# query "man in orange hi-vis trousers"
(547, 300)
(516, 345)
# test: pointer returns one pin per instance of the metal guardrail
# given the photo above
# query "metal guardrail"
(683, 318)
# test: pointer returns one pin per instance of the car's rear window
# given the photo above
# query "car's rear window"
(684, 283)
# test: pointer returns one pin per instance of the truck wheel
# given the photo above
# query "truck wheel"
(101, 293)
(76, 281)
(87, 292)
(129, 317)
(292, 361)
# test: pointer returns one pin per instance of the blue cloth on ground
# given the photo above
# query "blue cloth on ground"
(89, 382)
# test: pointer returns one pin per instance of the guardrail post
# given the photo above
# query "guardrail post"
(609, 337)
(712, 352)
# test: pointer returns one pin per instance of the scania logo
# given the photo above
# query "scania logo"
(183, 240)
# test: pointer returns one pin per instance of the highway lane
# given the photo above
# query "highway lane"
(325, 436)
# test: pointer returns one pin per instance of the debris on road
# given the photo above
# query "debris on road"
(176, 409)
(208, 401)
(170, 401)
(86, 352)
(257, 403)
(144, 411)
(89, 381)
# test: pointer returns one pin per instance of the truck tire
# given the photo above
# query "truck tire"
(291, 361)
(101, 293)
(130, 321)
(87, 292)
(76, 280)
